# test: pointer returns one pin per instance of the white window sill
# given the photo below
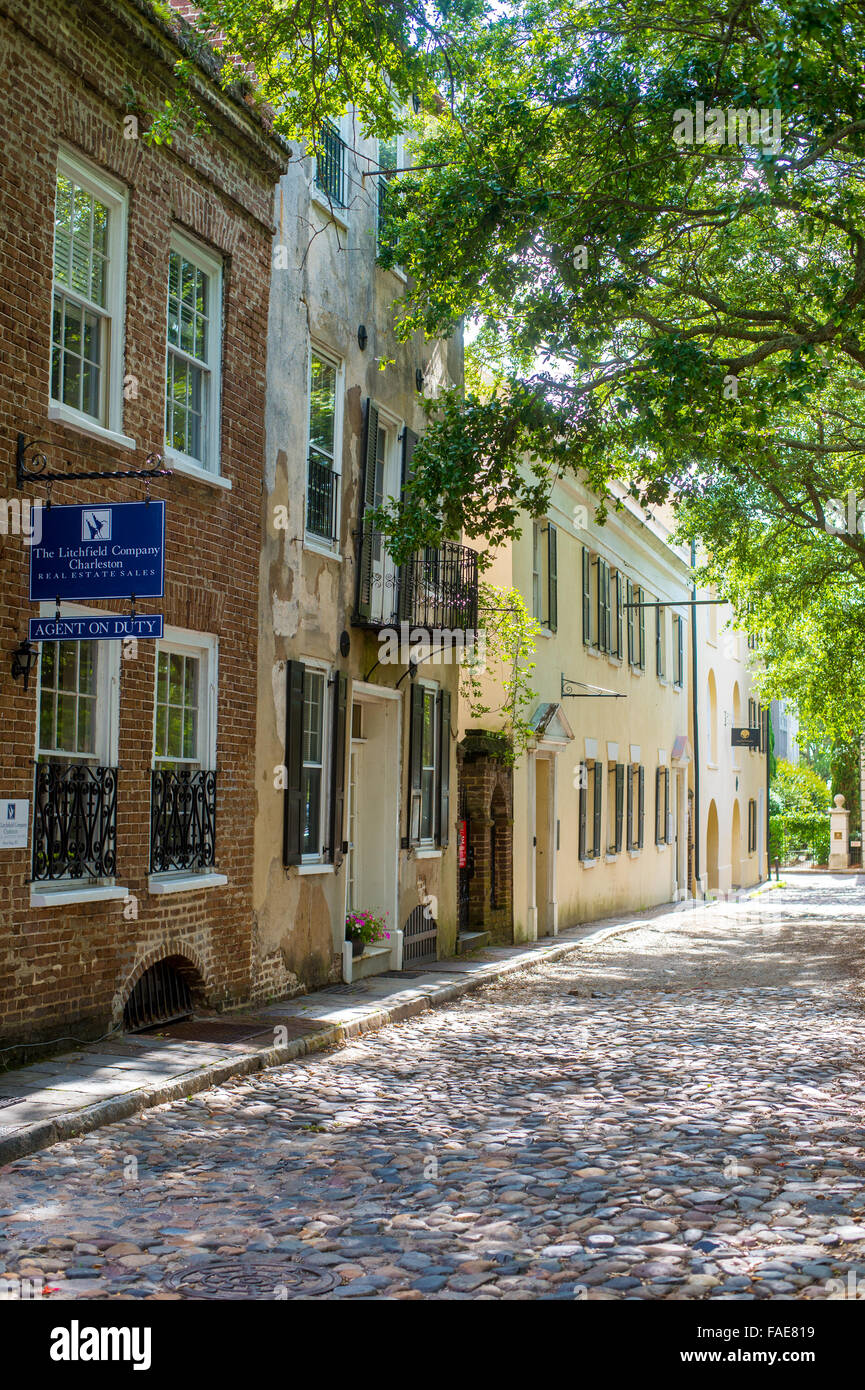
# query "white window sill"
(427, 853)
(611, 858)
(661, 847)
(179, 464)
(185, 883)
(321, 547)
(317, 868)
(545, 631)
(662, 680)
(713, 767)
(634, 853)
(85, 893)
(76, 421)
(588, 863)
(330, 211)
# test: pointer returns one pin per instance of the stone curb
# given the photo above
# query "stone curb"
(43, 1133)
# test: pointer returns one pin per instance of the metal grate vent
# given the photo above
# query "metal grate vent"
(160, 996)
(420, 937)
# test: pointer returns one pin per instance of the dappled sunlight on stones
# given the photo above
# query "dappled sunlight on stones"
(673, 1113)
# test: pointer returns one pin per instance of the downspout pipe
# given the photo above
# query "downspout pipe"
(695, 704)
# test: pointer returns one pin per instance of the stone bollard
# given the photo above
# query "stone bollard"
(839, 831)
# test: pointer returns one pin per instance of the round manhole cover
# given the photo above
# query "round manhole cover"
(251, 1279)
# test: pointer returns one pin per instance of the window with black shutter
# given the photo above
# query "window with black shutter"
(641, 805)
(631, 780)
(292, 839)
(429, 780)
(639, 597)
(337, 769)
(660, 664)
(587, 598)
(620, 804)
(367, 537)
(444, 766)
(584, 794)
(619, 634)
(597, 787)
(604, 614)
(632, 623)
(552, 578)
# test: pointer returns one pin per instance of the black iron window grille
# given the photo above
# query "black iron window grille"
(321, 495)
(438, 588)
(74, 821)
(182, 820)
(330, 164)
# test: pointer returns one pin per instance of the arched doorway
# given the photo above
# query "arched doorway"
(712, 848)
(736, 848)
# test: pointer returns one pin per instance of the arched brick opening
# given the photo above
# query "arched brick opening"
(182, 959)
(486, 804)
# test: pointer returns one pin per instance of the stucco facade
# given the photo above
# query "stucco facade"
(603, 715)
(335, 421)
(731, 794)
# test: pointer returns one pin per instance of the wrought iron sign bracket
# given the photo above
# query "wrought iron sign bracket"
(35, 468)
(593, 692)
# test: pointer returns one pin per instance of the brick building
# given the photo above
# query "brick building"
(134, 322)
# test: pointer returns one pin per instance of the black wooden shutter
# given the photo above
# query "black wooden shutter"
(409, 444)
(599, 784)
(659, 835)
(629, 598)
(659, 646)
(292, 830)
(642, 612)
(581, 847)
(444, 767)
(587, 600)
(620, 799)
(337, 768)
(365, 539)
(641, 813)
(619, 633)
(668, 828)
(608, 642)
(552, 578)
(680, 658)
(414, 763)
(630, 807)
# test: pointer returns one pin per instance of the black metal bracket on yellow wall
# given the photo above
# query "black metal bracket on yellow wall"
(589, 692)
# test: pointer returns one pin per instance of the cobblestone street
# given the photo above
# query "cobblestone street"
(674, 1113)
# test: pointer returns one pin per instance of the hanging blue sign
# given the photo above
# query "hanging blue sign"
(107, 627)
(113, 550)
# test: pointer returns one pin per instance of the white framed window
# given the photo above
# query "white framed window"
(324, 434)
(429, 761)
(185, 701)
(380, 483)
(74, 810)
(87, 320)
(193, 355)
(391, 155)
(315, 764)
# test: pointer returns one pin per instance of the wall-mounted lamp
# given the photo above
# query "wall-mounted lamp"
(24, 658)
(362, 337)
(418, 379)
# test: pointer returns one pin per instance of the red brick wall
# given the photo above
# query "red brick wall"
(62, 76)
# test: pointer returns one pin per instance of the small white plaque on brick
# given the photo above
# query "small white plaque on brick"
(14, 824)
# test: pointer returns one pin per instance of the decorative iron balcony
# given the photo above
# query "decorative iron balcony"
(330, 164)
(321, 493)
(182, 820)
(74, 821)
(437, 588)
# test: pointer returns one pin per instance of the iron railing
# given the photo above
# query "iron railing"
(437, 588)
(182, 820)
(330, 164)
(74, 821)
(420, 937)
(321, 494)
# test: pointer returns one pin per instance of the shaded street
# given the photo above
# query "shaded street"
(673, 1113)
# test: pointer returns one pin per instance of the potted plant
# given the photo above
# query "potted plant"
(363, 928)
